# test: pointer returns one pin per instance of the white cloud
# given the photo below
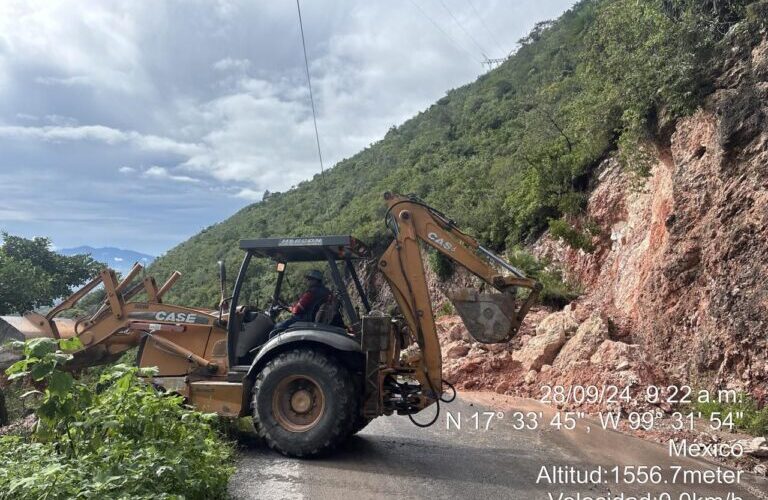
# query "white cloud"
(250, 194)
(162, 173)
(214, 91)
(101, 133)
(81, 43)
(65, 81)
(11, 214)
(229, 63)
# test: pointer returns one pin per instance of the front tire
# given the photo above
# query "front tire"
(304, 403)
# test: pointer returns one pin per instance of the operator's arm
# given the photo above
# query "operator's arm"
(303, 303)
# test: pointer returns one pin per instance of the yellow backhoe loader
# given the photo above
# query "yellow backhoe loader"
(310, 386)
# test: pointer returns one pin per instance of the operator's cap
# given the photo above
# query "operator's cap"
(315, 274)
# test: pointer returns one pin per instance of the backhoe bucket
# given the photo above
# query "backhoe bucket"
(489, 317)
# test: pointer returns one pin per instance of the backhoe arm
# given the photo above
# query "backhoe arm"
(488, 317)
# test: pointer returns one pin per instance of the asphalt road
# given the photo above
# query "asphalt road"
(392, 458)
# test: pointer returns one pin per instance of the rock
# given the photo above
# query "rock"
(530, 377)
(456, 332)
(756, 447)
(471, 366)
(502, 387)
(545, 368)
(611, 352)
(476, 352)
(561, 321)
(551, 334)
(761, 470)
(497, 348)
(456, 350)
(584, 343)
(622, 365)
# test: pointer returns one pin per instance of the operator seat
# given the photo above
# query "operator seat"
(329, 312)
(254, 334)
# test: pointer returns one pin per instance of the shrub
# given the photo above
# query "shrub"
(555, 292)
(744, 411)
(580, 240)
(441, 265)
(116, 438)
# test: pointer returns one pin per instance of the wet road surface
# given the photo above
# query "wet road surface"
(392, 458)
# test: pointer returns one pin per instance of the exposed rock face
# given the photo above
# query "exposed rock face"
(682, 263)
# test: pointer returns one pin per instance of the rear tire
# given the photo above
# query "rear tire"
(360, 424)
(304, 403)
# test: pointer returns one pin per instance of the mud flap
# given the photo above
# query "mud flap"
(489, 317)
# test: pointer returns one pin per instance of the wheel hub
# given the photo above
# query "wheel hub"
(301, 401)
(298, 403)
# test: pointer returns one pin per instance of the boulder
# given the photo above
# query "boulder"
(456, 350)
(551, 334)
(612, 353)
(456, 332)
(756, 447)
(561, 321)
(581, 347)
(502, 387)
(530, 377)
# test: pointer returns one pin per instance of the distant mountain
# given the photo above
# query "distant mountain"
(118, 259)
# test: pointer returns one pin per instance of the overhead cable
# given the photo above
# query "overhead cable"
(466, 32)
(311, 96)
(445, 33)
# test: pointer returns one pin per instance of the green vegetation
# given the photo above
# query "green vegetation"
(744, 412)
(511, 151)
(115, 438)
(441, 265)
(575, 238)
(32, 275)
(555, 291)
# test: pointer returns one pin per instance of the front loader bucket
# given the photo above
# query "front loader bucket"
(491, 317)
(27, 327)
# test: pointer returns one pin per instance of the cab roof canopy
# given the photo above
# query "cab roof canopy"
(306, 248)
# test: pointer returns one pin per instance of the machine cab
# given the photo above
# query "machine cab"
(249, 329)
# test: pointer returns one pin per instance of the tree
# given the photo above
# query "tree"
(32, 275)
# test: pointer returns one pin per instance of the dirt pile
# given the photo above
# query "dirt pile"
(559, 351)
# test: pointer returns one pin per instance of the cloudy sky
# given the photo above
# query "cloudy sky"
(137, 123)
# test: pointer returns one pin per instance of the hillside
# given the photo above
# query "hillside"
(513, 153)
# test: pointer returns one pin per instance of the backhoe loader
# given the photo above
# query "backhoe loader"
(312, 385)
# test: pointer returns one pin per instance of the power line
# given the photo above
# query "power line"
(441, 30)
(461, 26)
(311, 97)
(487, 29)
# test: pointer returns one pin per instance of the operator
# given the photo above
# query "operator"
(309, 302)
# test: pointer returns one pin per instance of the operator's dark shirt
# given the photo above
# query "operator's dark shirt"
(309, 302)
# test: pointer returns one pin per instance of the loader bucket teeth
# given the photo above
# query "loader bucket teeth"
(489, 317)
